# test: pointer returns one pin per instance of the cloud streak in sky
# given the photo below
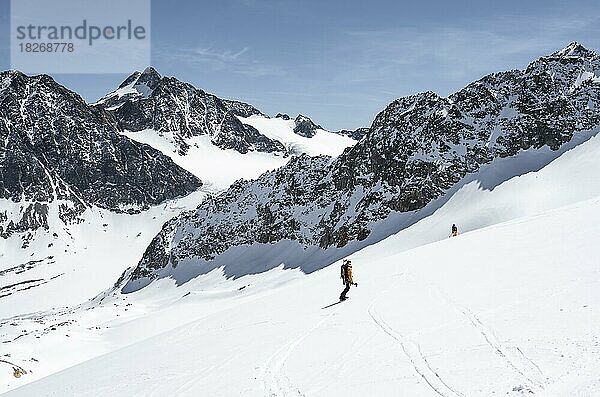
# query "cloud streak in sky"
(233, 61)
(224, 56)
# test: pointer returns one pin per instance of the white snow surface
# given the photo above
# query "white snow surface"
(323, 142)
(585, 76)
(219, 168)
(509, 307)
(69, 264)
(135, 89)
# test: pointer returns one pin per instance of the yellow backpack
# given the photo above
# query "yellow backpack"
(346, 273)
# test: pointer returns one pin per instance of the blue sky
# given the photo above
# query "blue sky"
(341, 62)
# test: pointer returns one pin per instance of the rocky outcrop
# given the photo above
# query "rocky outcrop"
(305, 127)
(282, 116)
(356, 134)
(241, 109)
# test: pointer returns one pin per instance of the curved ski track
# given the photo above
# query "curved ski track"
(416, 357)
(274, 381)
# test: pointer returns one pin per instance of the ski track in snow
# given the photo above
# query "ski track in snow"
(416, 357)
(275, 382)
(521, 364)
(196, 377)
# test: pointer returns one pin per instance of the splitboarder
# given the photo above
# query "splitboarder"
(454, 230)
(346, 276)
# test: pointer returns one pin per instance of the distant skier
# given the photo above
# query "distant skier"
(454, 230)
(346, 276)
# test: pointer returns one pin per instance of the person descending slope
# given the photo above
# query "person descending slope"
(454, 230)
(346, 276)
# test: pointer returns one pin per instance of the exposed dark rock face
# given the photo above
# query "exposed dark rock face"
(356, 134)
(416, 149)
(305, 126)
(241, 109)
(53, 146)
(34, 216)
(282, 116)
(147, 100)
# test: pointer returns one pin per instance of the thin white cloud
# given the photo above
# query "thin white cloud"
(211, 53)
(234, 61)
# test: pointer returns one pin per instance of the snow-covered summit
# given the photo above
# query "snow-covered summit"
(138, 85)
(575, 50)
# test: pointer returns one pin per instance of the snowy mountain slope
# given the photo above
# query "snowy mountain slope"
(319, 142)
(219, 168)
(218, 140)
(66, 264)
(569, 182)
(467, 303)
(417, 149)
(67, 178)
(109, 322)
(504, 310)
(532, 182)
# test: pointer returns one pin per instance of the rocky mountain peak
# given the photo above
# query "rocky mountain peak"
(148, 100)
(305, 126)
(356, 134)
(575, 49)
(7, 77)
(54, 146)
(149, 73)
(11, 79)
(147, 81)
